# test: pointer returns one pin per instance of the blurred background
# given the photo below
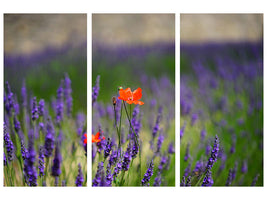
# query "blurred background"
(39, 48)
(131, 47)
(200, 28)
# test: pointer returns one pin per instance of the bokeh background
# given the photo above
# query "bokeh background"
(40, 48)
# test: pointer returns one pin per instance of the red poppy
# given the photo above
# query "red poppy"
(85, 138)
(95, 138)
(131, 97)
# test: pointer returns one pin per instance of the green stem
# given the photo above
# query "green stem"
(136, 140)
(122, 178)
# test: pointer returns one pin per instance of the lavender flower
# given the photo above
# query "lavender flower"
(24, 94)
(16, 124)
(159, 143)
(187, 169)
(182, 182)
(35, 115)
(117, 170)
(30, 173)
(127, 158)
(5, 160)
(56, 171)
(214, 153)
(67, 94)
(59, 105)
(187, 155)
(208, 181)
(171, 149)
(41, 107)
(8, 144)
(23, 150)
(135, 149)
(182, 131)
(9, 100)
(108, 176)
(41, 161)
(156, 127)
(188, 181)
(113, 157)
(95, 90)
(148, 174)
(98, 175)
(79, 179)
(49, 139)
(107, 148)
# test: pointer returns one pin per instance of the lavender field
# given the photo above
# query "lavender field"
(45, 118)
(221, 114)
(133, 122)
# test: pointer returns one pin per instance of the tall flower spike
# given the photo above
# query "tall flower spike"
(127, 158)
(67, 94)
(24, 94)
(8, 144)
(79, 179)
(95, 90)
(98, 175)
(56, 168)
(41, 161)
(148, 174)
(49, 139)
(41, 107)
(59, 105)
(107, 148)
(30, 172)
(34, 109)
(187, 155)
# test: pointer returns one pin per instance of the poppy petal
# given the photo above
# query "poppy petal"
(137, 94)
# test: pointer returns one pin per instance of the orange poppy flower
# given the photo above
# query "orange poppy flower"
(95, 138)
(85, 138)
(131, 97)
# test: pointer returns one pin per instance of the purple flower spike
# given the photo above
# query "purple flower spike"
(188, 181)
(24, 94)
(99, 175)
(56, 171)
(182, 184)
(35, 115)
(255, 180)
(156, 127)
(148, 174)
(171, 149)
(79, 179)
(95, 90)
(208, 181)
(8, 144)
(23, 150)
(187, 155)
(59, 105)
(127, 158)
(49, 139)
(5, 160)
(159, 143)
(41, 161)
(67, 94)
(107, 148)
(41, 107)
(30, 173)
